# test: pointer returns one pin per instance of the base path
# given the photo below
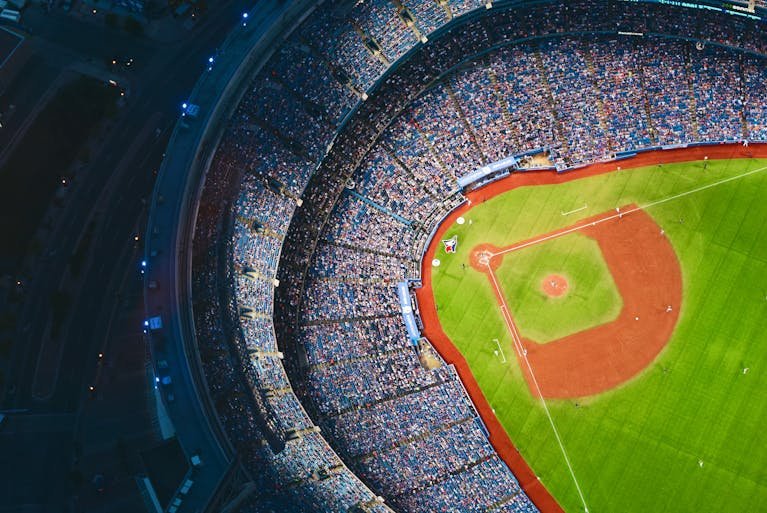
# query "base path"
(649, 278)
(442, 343)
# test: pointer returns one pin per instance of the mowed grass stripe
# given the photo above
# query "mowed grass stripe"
(637, 448)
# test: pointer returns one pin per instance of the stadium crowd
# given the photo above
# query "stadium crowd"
(539, 78)
(297, 470)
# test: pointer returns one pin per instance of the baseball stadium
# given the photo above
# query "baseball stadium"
(473, 256)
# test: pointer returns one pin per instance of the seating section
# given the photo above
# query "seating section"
(455, 494)
(333, 35)
(578, 108)
(354, 221)
(270, 161)
(337, 300)
(459, 7)
(410, 150)
(409, 466)
(436, 117)
(477, 93)
(331, 343)
(264, 206)
(379, 20)
(755, 98)
(523, 89)
(313, 78)
(616, 73)
(554, 83)
(392, 186)
(279, 109)
(409, 416)
(667, 86)
(428, 14)
(717, 84)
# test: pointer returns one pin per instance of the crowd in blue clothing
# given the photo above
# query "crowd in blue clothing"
(355, 222)
(338, 300)
(458, 492)
(375, 377)
(580, 101)
(430, 15)
(755, 76)
(394, 187)
(575, 102)
(312, 78)
(615, 68)
(328, 343)
(338, 262)
(404, 468)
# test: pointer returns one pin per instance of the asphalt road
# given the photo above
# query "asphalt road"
(111, 195)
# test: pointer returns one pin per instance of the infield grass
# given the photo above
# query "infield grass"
(639, 448)
(592, 297)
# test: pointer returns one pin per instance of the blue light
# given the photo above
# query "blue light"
(143, 263)
(146, 323)
(184, 105)
(210, 60)
(245, 15)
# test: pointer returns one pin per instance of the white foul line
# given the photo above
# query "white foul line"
(522, 352)
(626, 212)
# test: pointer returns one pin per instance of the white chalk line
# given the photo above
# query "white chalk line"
(503, 354)
(584, 207)
(625, 212)
(523, 354)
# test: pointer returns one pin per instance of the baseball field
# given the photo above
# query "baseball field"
(615, 324)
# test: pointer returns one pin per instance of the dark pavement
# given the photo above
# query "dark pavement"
(37, 457)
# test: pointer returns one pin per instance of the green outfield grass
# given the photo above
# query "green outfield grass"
(592, 297)
(638, 448)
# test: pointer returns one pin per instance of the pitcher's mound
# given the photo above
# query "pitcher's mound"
(554, 285)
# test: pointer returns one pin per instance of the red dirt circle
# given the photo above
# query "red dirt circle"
(554, 285)
(483, 256)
